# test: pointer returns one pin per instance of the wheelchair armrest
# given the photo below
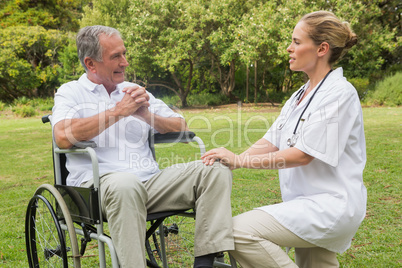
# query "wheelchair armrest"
(84, 144)
(173, 137)
(78, 145)
(46, 119)
(176, 137)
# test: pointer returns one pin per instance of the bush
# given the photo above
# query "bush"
(173, 100)
(277, 96)
(42, 104)
(24, 110)
(202, 99)
(29, 61)
(207, 99)
(361, 85)
(387, 92)
(2, 106)
(26, 107)
(21, 101)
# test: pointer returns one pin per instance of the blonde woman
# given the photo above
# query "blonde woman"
(318, 145)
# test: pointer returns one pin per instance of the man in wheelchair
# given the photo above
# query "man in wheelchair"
(118, 116)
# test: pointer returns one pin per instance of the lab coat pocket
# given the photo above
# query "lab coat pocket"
(314, 132)
(319, 137)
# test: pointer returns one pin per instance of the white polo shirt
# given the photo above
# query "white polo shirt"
(324, 202)
(123, 147)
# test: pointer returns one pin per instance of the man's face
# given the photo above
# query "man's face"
(110, 71)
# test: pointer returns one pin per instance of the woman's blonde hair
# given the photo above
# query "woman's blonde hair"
(324, 26)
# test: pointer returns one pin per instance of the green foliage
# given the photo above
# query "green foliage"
(51, 14)
(207, 99)
(30, 43)
(24, 110)
(26, 107)
(70, 67)
(278, 96)
(197, 100)
(28, 61)
(378, 38)
(361, 85)
(386, 92)
(171, 100)
(188, 46)
(42, 104)
(157, 36)
(185, 39)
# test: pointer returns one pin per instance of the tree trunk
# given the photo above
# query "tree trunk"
(255, 82)
(247, 77)
(227, 78)
(183, 92)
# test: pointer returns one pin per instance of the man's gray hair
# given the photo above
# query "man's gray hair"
(88, 44)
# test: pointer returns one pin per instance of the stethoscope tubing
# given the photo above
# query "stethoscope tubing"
(292, 140)
(309, 101)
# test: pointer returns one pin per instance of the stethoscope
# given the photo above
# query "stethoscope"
(292, 140)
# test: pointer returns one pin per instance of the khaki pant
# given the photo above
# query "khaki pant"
(126, 202)
(259, 238)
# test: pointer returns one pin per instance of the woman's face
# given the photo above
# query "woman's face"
(302, 51)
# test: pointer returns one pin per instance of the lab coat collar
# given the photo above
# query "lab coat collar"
(333, 76)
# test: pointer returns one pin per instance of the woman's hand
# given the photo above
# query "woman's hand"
(222, 155)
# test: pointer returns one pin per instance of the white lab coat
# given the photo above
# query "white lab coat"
(324, 202)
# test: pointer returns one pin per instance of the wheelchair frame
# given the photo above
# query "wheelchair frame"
(82, 206)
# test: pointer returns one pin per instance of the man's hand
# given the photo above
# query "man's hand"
(140, 110)
(135, 98)
(139, 94)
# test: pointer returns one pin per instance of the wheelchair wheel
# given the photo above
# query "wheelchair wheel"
(49, 231)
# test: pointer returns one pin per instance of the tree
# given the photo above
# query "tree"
(222, 18)
(50, 14)
(28, 61)
(162, 37)
(264, 34)
(379, 35)
(173, 42)
(32, 33)
(391, 17)
(262, 38)
(70, 66)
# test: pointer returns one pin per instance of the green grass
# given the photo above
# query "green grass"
(26, 163)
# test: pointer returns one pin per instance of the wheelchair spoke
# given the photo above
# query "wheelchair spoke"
(50, 244)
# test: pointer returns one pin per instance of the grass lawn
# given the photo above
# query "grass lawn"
(26, 163)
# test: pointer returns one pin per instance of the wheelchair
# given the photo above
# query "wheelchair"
(62, 220)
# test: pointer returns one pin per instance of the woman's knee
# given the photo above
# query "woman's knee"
(243, 223)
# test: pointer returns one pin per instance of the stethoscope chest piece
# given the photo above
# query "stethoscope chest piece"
(291, 142)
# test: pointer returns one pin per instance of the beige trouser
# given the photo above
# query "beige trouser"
(126, 202)
(259, 238)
